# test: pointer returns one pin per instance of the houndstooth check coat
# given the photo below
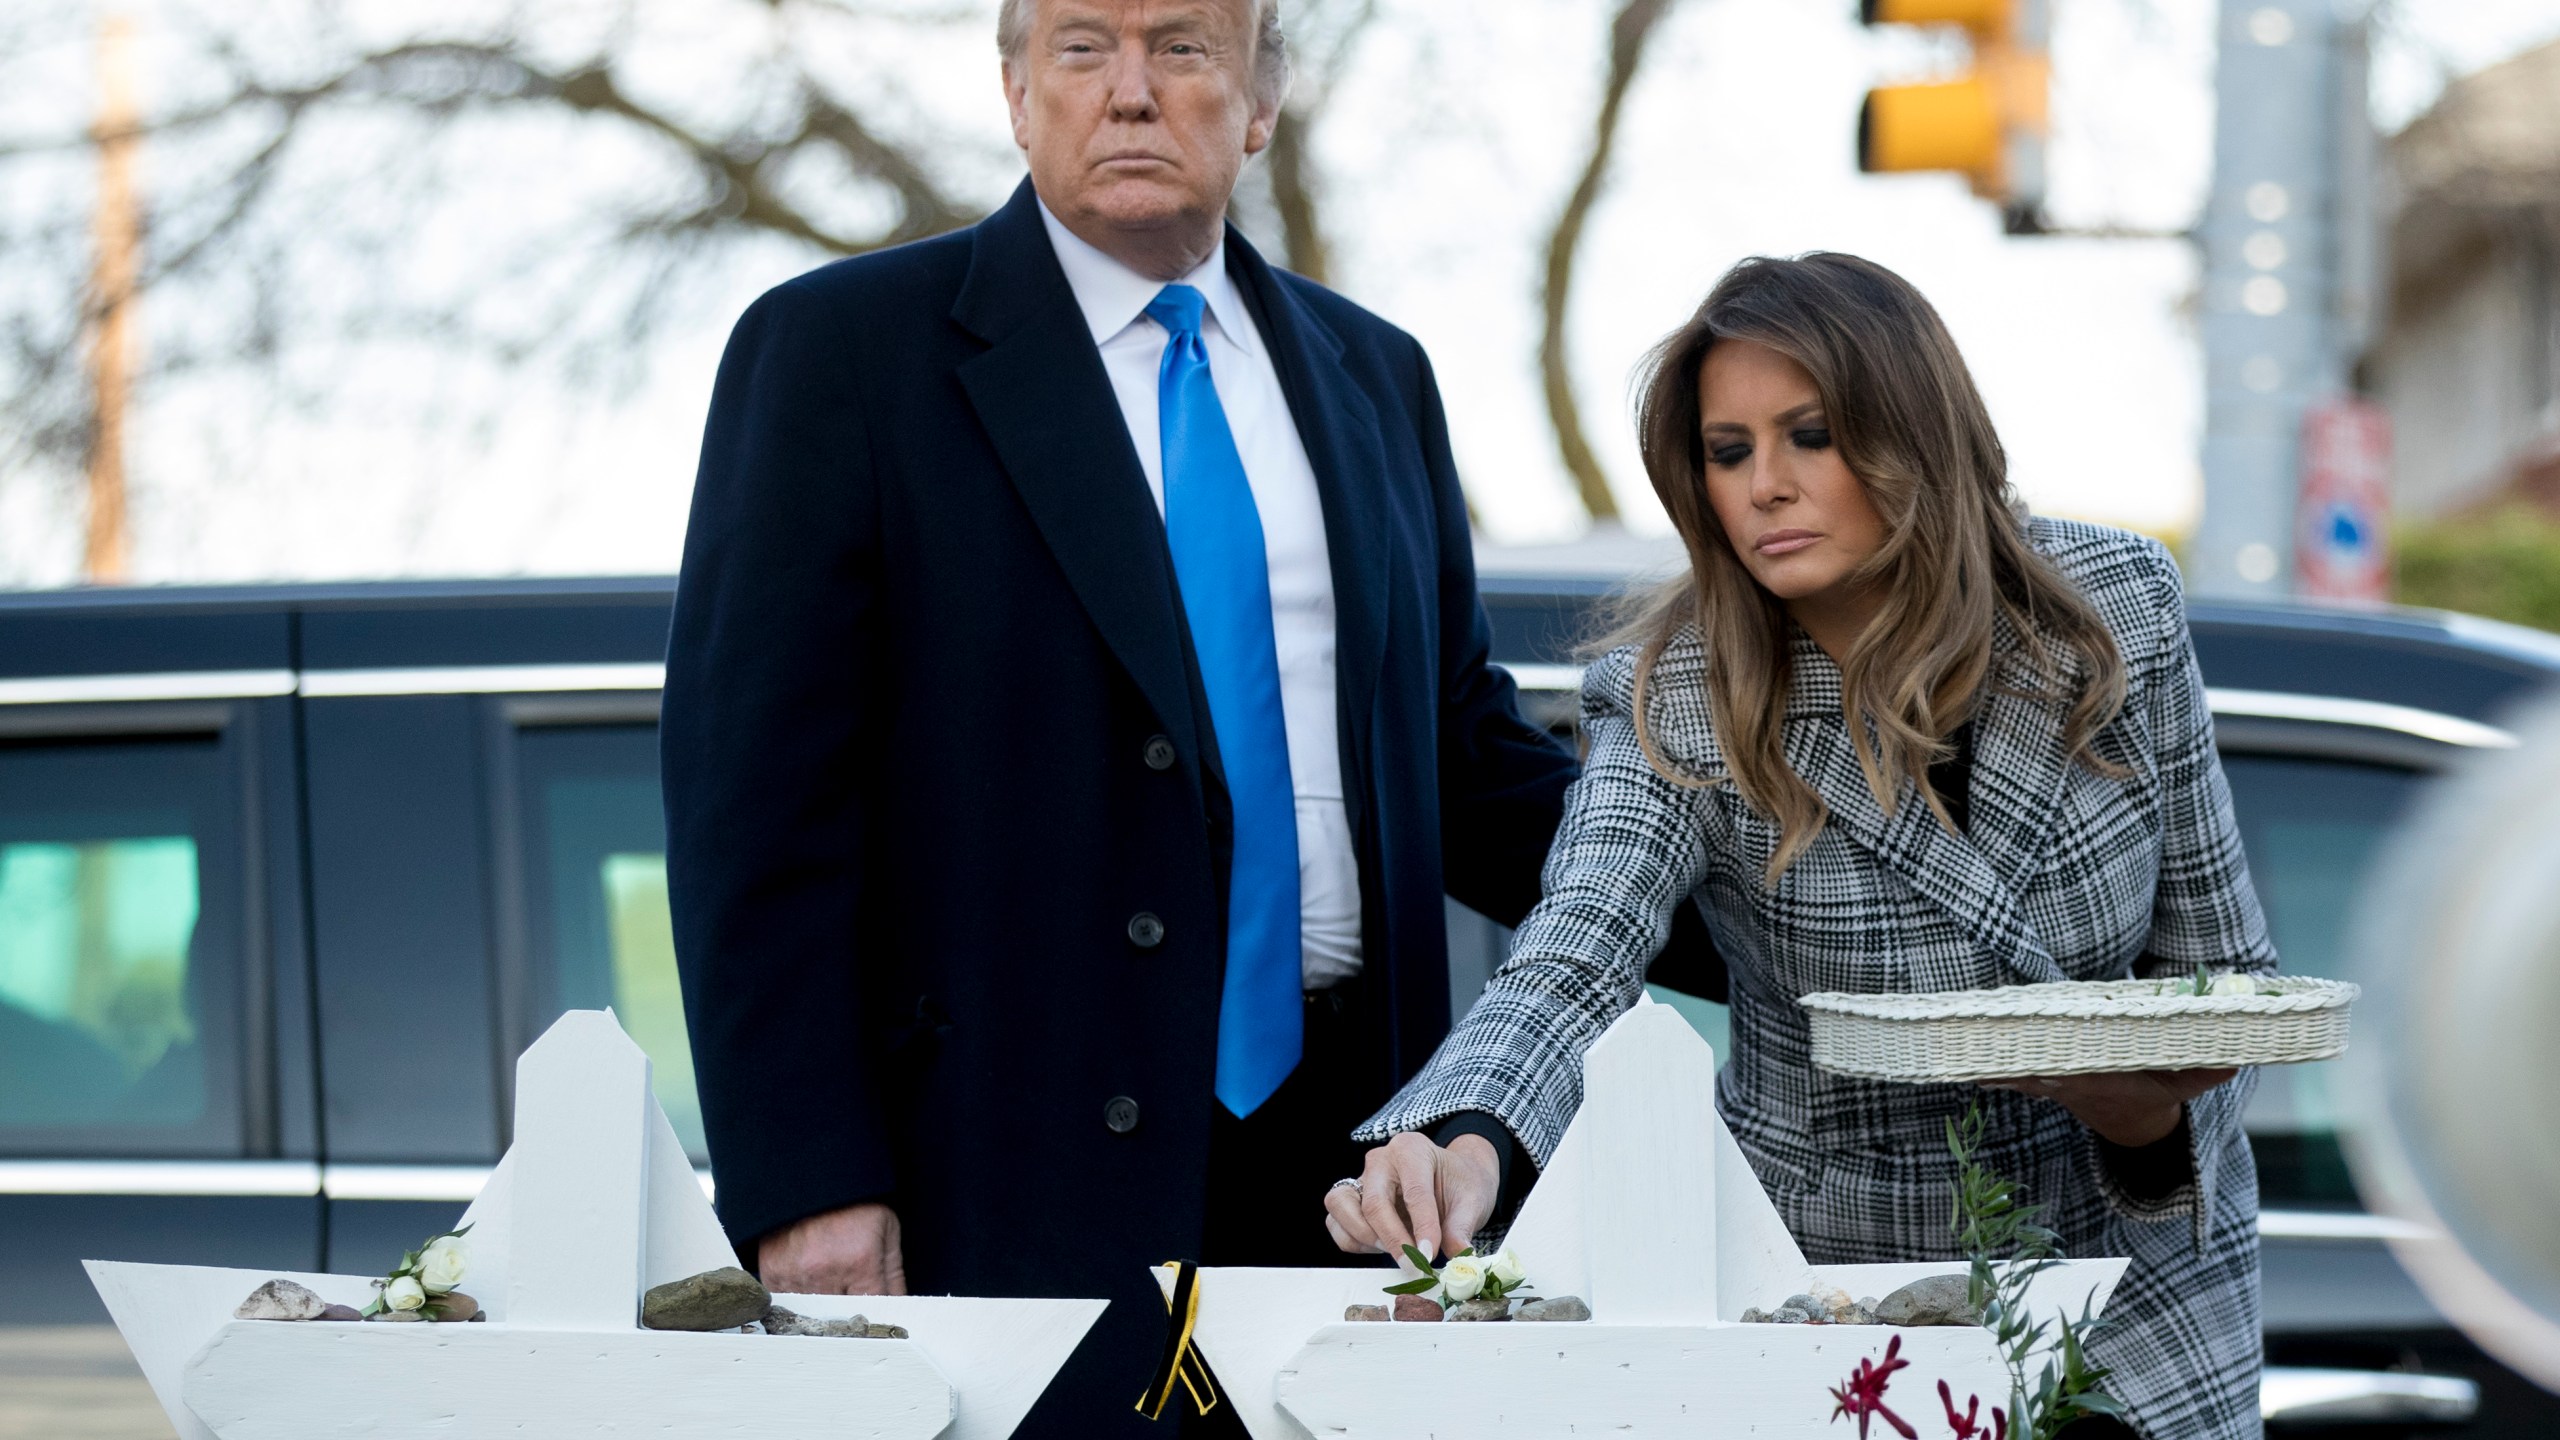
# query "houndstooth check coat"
(2064, 873)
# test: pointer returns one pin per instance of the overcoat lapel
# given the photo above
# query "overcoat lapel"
(2011, 802)
(1047, 403)
(1339, 427)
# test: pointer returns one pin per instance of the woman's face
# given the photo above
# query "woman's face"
(1797, 519)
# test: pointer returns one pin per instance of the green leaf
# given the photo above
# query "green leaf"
(1420, 1261)
(1413, 1287)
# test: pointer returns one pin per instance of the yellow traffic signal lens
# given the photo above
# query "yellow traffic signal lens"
(1954, 126)
(1981, 16)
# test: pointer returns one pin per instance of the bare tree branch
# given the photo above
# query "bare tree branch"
(1628, 35)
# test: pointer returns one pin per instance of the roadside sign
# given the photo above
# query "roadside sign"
(2341, 544)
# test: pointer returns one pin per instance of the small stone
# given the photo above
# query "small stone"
(1562, 1307)
(778, 1321)
(1831, 1300)
(1481, 1310)
(452, 1307)
(886, 1332)
(721, 1299)
(1805, 1303)
(1858, 1312)
(1417, 1309)
(1934, 1300)
(342, 1312)
(1364, 1314)
(1791, 1315)
(280, 1300)
(399, 1317)
(1757, 1316)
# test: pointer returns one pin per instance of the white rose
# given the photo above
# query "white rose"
(1505, 1267)
(440, 1268)
(1463, 1277)
(404, 1293)
(2236, 983)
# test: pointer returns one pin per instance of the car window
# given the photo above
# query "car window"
(595, 855)
(2312, 828)
(120, 949)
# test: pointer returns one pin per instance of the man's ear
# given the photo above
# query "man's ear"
(1017, 93)
(1257, 131)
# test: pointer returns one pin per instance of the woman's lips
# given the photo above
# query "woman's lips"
(1784, 542)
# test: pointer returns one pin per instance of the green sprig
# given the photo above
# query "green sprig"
(2008, 1246)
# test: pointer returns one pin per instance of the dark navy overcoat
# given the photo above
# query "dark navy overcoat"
(925, 646)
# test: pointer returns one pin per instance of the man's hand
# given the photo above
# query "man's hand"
(1413, 1192)
(2132, 1109)
(853, 1251)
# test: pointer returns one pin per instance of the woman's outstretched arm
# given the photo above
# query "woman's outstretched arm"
(1632, 846)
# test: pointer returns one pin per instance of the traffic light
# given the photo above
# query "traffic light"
(1987, 124)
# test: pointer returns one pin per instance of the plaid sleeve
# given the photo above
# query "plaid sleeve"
(1631, 846)
(2205, 910)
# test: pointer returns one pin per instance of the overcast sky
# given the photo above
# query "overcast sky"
(1448, 153)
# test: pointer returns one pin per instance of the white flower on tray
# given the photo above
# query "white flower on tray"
(1505, 1267)
(404, 1293)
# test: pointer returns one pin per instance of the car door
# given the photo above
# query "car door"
(156, 1085)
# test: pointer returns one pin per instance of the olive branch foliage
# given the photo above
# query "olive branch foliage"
(2008, 1246)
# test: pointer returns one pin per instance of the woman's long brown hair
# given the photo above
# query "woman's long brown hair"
(1911, 427)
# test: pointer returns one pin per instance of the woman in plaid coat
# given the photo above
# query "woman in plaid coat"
(1888, 736)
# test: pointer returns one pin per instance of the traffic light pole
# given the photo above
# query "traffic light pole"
(2289, 267)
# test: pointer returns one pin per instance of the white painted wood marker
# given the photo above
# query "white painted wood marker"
(593, 1203)
(1648, 1210)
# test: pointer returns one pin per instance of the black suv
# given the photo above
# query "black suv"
(288, 875)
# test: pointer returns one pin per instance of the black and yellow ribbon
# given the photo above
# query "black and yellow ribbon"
(1180, 1363)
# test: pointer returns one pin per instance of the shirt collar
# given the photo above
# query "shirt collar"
(1114, 297)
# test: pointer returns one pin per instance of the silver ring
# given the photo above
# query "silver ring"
(1353, 1184)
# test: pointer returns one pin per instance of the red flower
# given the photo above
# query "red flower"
(1862, 1395)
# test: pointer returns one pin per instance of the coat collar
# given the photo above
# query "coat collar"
(2018, 769)
(1340, 429)
(1047, 403)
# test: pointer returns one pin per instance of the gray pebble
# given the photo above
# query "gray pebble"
(1757, 1316)
(778, 1321)
(1934, 1300)
(1481, 1310)
(886, 1332)
(281, 1300)
(721, 1299)
(1365, 1314)
(1562, 1307)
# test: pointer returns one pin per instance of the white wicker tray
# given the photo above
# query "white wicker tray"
(2075, 1028)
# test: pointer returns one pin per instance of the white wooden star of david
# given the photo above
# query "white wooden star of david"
(1650, 1212)
(593, 1204)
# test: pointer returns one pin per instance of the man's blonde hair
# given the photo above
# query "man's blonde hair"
(1270, 46)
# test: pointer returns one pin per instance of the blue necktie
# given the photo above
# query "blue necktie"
(1216, 535)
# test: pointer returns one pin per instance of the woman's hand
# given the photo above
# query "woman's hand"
(2131, 1109)
(1413, 1192)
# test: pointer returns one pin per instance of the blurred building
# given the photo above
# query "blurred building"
(2468, 360)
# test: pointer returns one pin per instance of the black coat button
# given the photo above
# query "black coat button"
(1121, 1114)
(1145, 930)
(1159, 753)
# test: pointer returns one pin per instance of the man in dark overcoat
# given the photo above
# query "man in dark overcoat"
(1077, 708)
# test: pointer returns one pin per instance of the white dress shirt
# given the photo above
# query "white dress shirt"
(1114, 299)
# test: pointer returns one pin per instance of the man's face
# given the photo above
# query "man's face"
(1137, 115)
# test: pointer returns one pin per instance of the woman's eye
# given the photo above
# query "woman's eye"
(1729, 456)
(1815, 437)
